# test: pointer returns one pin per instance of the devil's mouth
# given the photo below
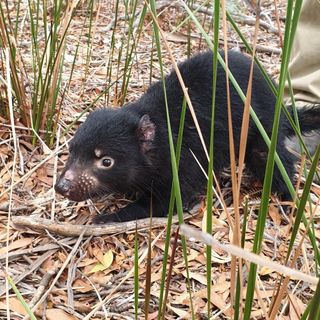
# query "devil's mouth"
(75, 193)
(77, 197)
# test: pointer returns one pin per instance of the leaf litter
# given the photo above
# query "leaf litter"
(99, 263)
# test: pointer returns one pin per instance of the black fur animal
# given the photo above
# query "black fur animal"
(126, 150)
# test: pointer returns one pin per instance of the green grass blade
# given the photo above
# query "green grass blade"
(148, 269)
(176, 183)
(129, 57)
(170, 210)
(306, 312)
(129, 46)
(16, 84)
(303, 200)
(258, 239)
(136, 274)
(211, 155)
(314, 305)
(20, 298)
(111, 54)
(88, 55)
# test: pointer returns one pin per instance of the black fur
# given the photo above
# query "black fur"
(135, 136)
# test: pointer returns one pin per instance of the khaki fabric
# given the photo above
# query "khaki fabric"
(304, 67)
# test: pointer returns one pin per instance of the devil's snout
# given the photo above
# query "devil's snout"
(76, 184)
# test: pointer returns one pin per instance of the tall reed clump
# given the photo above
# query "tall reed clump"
(35, 37)
(42, 65)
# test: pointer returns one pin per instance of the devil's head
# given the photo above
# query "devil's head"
(112, 152)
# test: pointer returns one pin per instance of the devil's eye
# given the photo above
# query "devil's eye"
(107, 162)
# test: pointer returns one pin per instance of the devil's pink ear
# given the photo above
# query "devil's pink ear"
(146, 133)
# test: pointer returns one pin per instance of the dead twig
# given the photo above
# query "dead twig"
(71, 230)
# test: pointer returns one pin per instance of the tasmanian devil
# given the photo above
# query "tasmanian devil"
(126, 150)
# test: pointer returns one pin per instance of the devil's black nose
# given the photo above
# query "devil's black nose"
(63, 186)
(65, 183)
